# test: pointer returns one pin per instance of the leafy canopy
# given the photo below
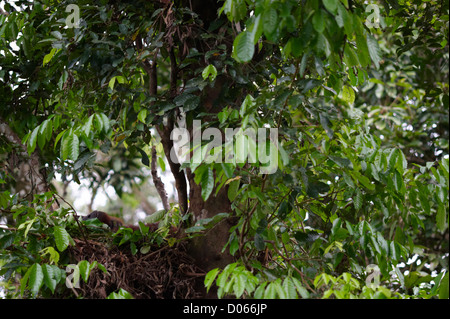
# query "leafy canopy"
(357, 91)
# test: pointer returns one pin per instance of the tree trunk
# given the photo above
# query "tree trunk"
(207, 250)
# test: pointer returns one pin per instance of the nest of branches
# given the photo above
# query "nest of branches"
(165, 272)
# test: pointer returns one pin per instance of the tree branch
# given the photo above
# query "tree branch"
(173, 73)
(158, 183)
(3, 12)
(165, 131)
(180, 178)
(31, 162)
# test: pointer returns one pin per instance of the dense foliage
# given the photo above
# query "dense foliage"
(358, 206)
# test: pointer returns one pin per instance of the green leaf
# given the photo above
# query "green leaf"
(259, 292)
(112, 82)
(358, 199)
(234, 9)
(156, 216)
(284, 209)
(122, 294)
(350, 57)
(243, 47)
(443, 287)
(207, 183)
(374, 50)
(289, 288)
(233, 188)
(325, 122)
(49, 56)
(363, 180)
(32, 140)
(270, 292)
(26, 46)
(242, 147)
(57, 35)
(270, 21)
(223, 277)
(304, 62)
(341, 162)
(222, 116)
(24, 281)
(246, 105)
(98, 122)
(363, 50)
(255, 28)
(180, 100)
(144, 249)
(49, 276)
(228, 169)
(62, 237)
(84, 268)
(330, 5)
(194, 229)
(207, 223)
(53, 254)
(318, 20)
(424, 202)
(301, 290)
(144, 157)
(209, 72)
(7, 240)
(308, 237)
(441, 218)
(27, 225)
(445, 166)
(392, 158)
(45, 130)
(279, 289)
(102, 268)
(344, 19)
(319, 66)
(239, 284)
(210, 277)
(234, 244)
(58, 137)
(121, 79)
(14, 29)
(70, 146)
(101, 123)
(191, 103)
(398, 183)
(309, 84)
(259, 242)
(142, 115)
(402, 163)
(36, 278)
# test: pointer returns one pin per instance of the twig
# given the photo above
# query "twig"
(289, 261)
(74, 212)
(158, 183)
(3, 12)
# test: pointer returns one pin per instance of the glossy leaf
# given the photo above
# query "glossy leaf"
(62, 238)
(36, 278)
(70, 146)
(243, 47)
(207, 183)
(50, 275)
(209, 72)
(374, 50)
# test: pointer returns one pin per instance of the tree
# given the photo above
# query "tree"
(347, 198)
